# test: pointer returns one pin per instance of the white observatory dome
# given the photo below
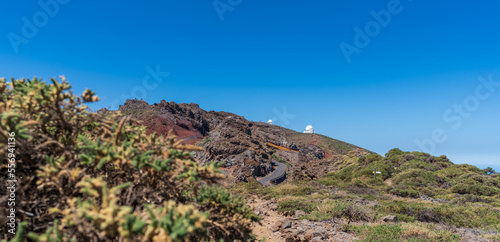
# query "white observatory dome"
(270, 121)
(309, 129)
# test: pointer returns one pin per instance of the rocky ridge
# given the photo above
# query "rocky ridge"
(241, 145)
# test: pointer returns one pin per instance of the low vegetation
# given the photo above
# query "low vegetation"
(402, 232)
(96, 177)
(419, 189)
(276, 158)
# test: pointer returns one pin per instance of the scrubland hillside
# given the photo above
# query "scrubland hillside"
(126, 175)
(417, 197)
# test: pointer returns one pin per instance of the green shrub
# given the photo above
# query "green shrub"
(417, 178)
(455, 171)
(394, 152)
(418, 164)
(292, 205)
(103, 178)
(404, 192)
(475, 184)
(475, 189)
(468, 216)
(339, 209)
(329, 181)
(406, 218)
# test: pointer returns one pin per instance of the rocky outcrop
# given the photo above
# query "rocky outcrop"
(186, 121)
(389, 218)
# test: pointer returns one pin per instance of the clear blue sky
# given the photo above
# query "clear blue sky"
(257, 57)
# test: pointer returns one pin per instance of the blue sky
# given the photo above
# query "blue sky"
(399, 86)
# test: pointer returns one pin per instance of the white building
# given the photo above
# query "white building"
(309, 130)
(270, 122)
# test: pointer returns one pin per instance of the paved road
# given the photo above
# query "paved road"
(276, 174)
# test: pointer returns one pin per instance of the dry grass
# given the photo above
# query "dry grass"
(401, 232)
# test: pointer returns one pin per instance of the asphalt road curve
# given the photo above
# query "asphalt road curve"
(277, 173)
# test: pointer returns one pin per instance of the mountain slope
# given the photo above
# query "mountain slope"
(245, 148)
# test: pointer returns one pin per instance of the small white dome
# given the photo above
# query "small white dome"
(309, 129)
(270, 121)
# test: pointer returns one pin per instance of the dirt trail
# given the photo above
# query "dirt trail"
(268, 221)
(278, 228)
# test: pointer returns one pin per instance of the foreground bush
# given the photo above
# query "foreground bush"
(98, 177)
